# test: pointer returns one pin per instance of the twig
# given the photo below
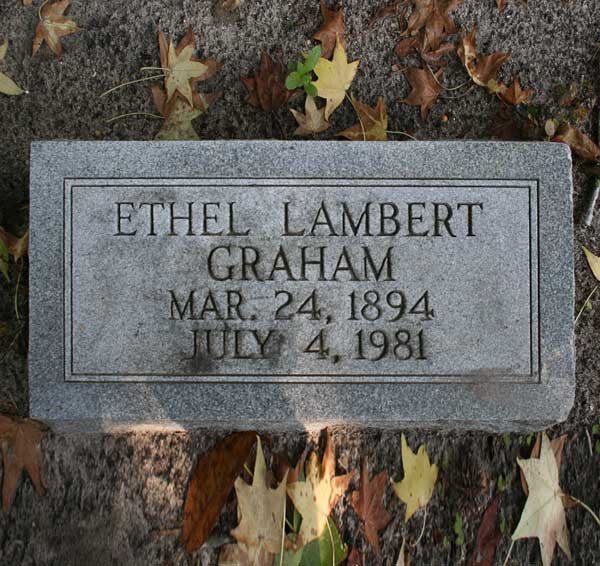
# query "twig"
(401, 133)
(359, 118)
(412, 545)
(589, 439)
(131, 83)
(585, 303)
(445, 87)
(147, 114)
(588, 509)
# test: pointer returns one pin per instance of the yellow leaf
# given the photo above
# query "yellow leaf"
(544, 515)
(315, 498)
(594, 262)
(260, 509)
(335, 78)
(372, 125)
(416, 488)
(313, 121)
(7, 85)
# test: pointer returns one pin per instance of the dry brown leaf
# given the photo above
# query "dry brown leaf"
(211, 482)
(315, 497)
(312, 121)
(406, 45)
(425, 88)
(488, 537)
(372, 125)
(500, 4)
(513, 93)
(52, 26)
(267, 89)
(368, 504)
(581, 144)
(20, 442)
(182, 70)
(481, 68)
(17, 247)
(386, 11)
(432, 16)
(435, 57)
(332, 28)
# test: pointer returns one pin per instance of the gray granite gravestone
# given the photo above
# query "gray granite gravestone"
(290, 284)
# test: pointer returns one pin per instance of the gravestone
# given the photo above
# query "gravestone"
(295, 284)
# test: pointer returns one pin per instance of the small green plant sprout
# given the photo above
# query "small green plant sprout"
(300, 75)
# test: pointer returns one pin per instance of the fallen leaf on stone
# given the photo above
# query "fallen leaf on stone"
(333, 28)
(241, 555)
(368, 504)
(182, 70)
(434, 57)
(372, 125)
(16, 247)
(384, 12)
(7, 85)
(267, 89)
(481, 68)
(432, 17)
(425, 88)
(544, 515)
(312, 121)
(20, 442)
(500, 4)
(260, 509)
(334, 78)
(406, 45)
(581, 144)
(211, 482)
(593, 261)
(416, 488)
(179, 116)
(488, 537)
(315, 497)
(513, 93)
(52, 26)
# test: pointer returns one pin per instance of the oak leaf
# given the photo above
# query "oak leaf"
(7, 85)
(334, 78)
(179, 116)
(544, 515)
(315, 497)
(416, 488)
(20, 442)
(267, 88)
(594, 263)
(373, 122)
(432, 17)
(425, 88)
(481, 68)
(312, 121)
(52, 26)
(211, 482)
(333, 28)
(581, 144)
(513, 93)
(182, 70)
(488, 537)
(368, 504)
(260, 509)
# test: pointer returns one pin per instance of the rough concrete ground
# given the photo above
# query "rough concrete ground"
(110, 498)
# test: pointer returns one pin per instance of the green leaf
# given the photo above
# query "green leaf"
(311, 89)
(312, 58)
(596, 429)
(4, 259)
(458, 530)
(597, 447)
(293, 81)
(292, 66)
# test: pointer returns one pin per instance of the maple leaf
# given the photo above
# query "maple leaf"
(594, 263)
(267, 89)
(488, 537)
(312, 121)
(544, 515)
(315, 497)
(16, 247)
(334, 78)
(179, 116)
(433, 17)
(367, 502)
(481, 68)
(425, 88)
(513, 93)
(7, 85)
(52, 26)
(20, 442)
(260, 509)
(373, 122)
(333, 28)
(416, 488)
(211, 482)
(182, 70)
(581, 144)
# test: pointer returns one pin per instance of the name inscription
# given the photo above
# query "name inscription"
(300, 280)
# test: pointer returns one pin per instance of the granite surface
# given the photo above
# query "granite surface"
(483, 228)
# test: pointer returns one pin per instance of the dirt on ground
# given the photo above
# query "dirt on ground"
(117, 499)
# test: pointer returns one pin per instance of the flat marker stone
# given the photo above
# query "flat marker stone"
(266, 284)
